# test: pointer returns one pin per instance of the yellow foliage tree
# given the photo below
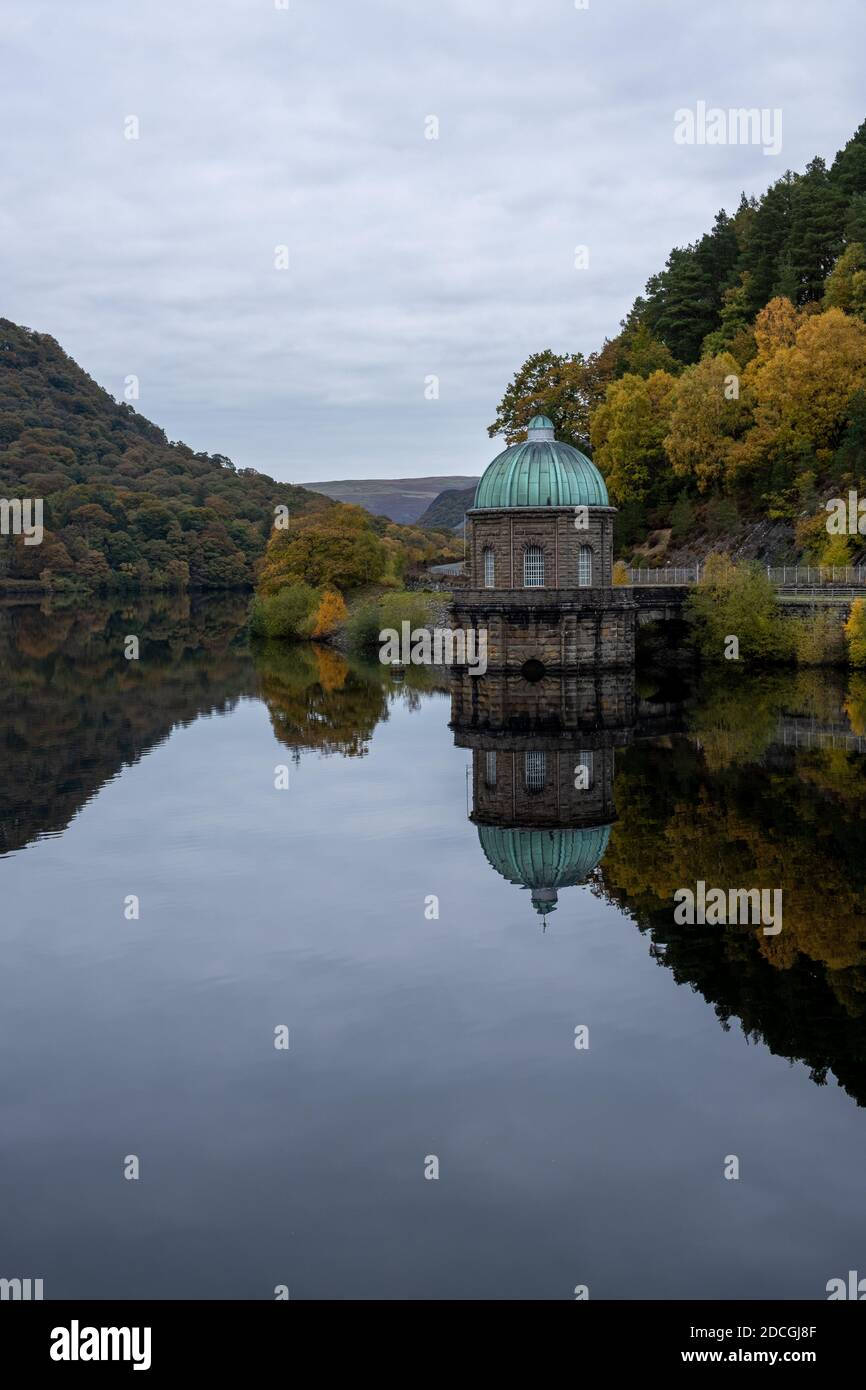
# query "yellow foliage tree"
(330, 614)
(837, 551)
(628, 430)
(336, 548)
(775, 327)
(707, 415)
(802, 389)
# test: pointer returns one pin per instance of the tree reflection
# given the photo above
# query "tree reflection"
(73, 710)
(322, 701)
(730, 803)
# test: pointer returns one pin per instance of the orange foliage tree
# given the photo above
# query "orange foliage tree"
(330, 614)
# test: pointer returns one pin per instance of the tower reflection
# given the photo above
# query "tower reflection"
(542, 772)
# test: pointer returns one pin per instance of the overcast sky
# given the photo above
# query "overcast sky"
(408, 257)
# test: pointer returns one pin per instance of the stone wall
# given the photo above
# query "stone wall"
(562, 630)
(510, 531)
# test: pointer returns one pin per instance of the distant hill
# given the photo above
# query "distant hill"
(448, 509)
(401, 499)
(123, 507)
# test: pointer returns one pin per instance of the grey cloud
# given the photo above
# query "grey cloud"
(408, 256)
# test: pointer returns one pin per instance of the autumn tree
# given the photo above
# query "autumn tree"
(776, 326)
(636, 350)
(707, 415)
(336, 549)
(29, 561)
(566, 387)
(628, 431)
(330, 614)
(802, 383)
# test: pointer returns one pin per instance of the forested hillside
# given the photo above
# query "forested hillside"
(123, 507)
(736, 388)
(449, 508)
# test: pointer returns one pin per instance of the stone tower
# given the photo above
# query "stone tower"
(539, 561)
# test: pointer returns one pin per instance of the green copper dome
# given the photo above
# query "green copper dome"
(543, 860)
(542, 472)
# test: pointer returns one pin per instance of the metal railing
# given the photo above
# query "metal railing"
(665, 574)
(783, 576)
(809, 575)
(794, 593)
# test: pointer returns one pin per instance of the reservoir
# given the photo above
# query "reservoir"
(432, 930)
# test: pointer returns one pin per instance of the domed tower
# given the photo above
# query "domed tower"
(539, 561)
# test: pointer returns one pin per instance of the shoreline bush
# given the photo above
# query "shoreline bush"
(289, 613)
(389, 611)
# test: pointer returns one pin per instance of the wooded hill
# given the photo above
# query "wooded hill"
(736, 388)
(449, 508)
(124, 508)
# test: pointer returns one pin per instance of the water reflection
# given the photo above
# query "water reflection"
(542, 773)
(409, 1035)
(74, 711)
(756, 782)
(320, 700)
(767, 787)
(543, 766)
(750, 782)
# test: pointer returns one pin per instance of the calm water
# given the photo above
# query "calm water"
(413, 1036)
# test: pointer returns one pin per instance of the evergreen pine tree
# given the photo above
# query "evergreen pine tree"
(815, 238)
(848, 170)
(767, 241)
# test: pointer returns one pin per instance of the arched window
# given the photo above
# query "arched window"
(489, 568)
(584, 567)
(586, 771)
(533, 771)
(533, 567)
